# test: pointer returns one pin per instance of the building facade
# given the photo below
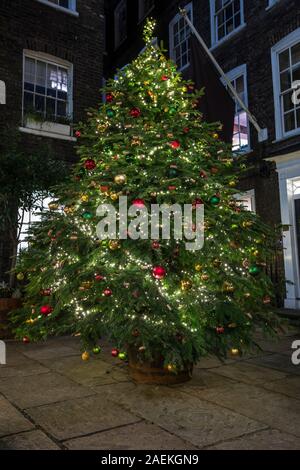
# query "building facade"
(258, 46)
(51, 71)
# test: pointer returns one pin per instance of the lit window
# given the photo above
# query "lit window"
(179, 33)
(28, 218)
(145, 6)
(46, 89)
(226, 17)
(241, 135)
(286, 71)
(67, 4)
(120, 23)
(247, 200)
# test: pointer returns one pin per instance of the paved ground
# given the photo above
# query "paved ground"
(50, 399)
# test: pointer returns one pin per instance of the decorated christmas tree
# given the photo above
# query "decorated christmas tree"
(152, 298)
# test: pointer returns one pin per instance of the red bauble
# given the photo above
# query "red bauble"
(109, 98)
(175, 144)
(99, 277)
(220, 330)
(26, 340)
(104, 189)
(46, 310)
(139, 203)
(46, 292)
(186, 130)
(135, 112)
(90, 164)
(77, 134)
(107, 292)
(155, 245)
(159, 272)
(114, 352)
(172, 188)
(203, 174)
(164, 78)
(197, 203)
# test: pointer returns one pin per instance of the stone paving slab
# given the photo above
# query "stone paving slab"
(33, 440)
(41, 389)
(290, 386)
(270, 439)
(196, 421)
(74, 418)
(93, 372)
(11, 420)
(280, 362)
(139, 436)
(266, 407)
(249, 373)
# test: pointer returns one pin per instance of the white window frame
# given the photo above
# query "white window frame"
(142, 12)
(233, 74)
(48, 128)
(214, 38)
(120, 6)
(2, 92)
(271, 4)
(248, 196)
(70, 11)
(29, 218)
(287, 42)
(188, 8)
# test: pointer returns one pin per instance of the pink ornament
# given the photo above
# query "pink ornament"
(77, 134)
(159, 272)
(46, 310)
(139, 203)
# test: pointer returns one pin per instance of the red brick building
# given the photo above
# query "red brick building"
(258, 46)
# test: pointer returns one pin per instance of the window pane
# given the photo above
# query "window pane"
(40, 103)
(61, 108)
(28, 102)
(29, 70)
(51, 80)
(289, 122)
(287, 102)
(296, 54)
(50, 108)
(296, 73)
(64, 3)
(284, 60)
(40, 77)
(285, 81)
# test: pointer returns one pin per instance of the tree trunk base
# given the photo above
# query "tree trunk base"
(155, 373)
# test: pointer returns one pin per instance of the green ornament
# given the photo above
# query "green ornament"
(172, 110)
(96, 350)
(234, 226)
(104, 243)
(215, 200)
(87, 215)
(172, 172)
(110, 113)
(254, 270)
(122, 356)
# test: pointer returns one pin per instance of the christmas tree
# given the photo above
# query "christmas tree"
(148, 142)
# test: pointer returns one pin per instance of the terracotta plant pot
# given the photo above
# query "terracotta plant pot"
(155, 372)
(6, 306)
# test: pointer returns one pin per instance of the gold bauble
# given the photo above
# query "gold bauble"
(228, 287)
(217, 263)
(20, 276)
(120, 179)
(198, 268)
(85, 356)
(68, 210)
(232, 325)
(114, 245)
(86, 285)
(247, 224)
(234, 352)
(74, 237)
(186, 285)
(204, 277)
(171, 368)
(85, 198)
(114, 196)
(53, 206)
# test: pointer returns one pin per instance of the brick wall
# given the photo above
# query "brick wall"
(29, 24)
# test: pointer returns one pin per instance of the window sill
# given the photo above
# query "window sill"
(269, 7)
(286, 137)
(228, 37)
(59, 8)
(48, 129)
